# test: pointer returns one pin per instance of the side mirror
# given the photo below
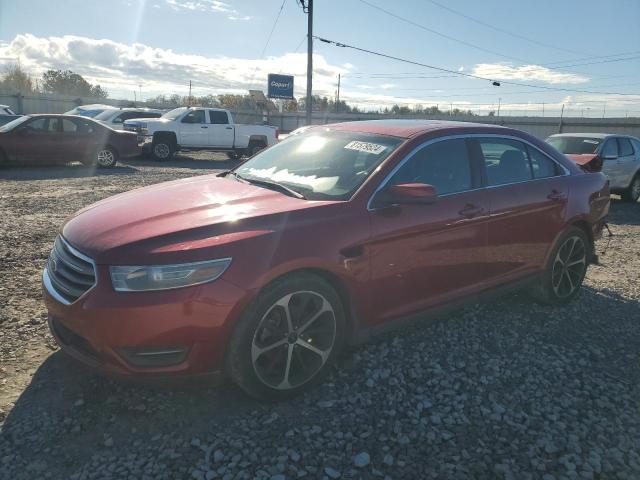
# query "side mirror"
(118, 120)
(23, 131)
(609, 157)
(407, 194)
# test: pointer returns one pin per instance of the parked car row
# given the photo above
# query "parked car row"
(264, 273)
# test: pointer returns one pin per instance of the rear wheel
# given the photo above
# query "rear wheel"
(288, 338)
(632, 194)
(106, 157)
(254, 148)
(566, 269)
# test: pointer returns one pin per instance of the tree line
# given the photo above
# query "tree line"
(66, 82)
(63, 82)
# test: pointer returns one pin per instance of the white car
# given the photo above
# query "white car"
(196, 128)
(6, 110)
(115, 117)
(617, 155)
(90, 110)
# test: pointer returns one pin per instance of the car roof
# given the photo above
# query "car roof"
(406, 128)
(587, 135)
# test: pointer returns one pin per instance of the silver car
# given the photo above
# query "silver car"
(619, 154)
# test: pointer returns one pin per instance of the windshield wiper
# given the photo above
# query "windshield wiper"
(267, 184)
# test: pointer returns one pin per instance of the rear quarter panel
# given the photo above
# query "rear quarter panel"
(589, 201)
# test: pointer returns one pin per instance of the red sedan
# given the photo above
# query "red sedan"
(264, 273)
(50, 139)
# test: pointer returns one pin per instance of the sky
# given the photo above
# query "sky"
(583, 54)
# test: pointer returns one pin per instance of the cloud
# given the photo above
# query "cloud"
(212, 6)
(120, 67)
(499, 71)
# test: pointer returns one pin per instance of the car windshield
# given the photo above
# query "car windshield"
(175, 113)
(575, 145)
(7, 127)
(106, 115)
(322, 165)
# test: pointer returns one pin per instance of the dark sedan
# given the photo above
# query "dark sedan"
(46, 139)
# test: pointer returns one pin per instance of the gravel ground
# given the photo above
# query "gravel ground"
(509, 389)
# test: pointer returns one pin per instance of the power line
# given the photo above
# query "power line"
(266, 44)
(550, 66)
(469, 75)
(507, 32)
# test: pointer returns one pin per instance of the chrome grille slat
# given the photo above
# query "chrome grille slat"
(70, 273)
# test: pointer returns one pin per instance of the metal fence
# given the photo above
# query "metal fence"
(288, 121)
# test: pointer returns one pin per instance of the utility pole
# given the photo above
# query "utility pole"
(189, 100)
(561, 115)
(338, 100)
(140, 87)
(309, 12)
(604, 109)
(499, 102)
(543, 109)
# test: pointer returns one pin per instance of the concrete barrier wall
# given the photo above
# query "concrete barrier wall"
(541, 127)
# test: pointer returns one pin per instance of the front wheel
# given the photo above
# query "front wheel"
(632, 194)
(288, 338)
(566, 268)
(106, 157)
(162, 150)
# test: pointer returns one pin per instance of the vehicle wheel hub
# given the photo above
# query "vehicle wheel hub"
(161, 150)
(293, 340)
(105, 157)
(569, 267)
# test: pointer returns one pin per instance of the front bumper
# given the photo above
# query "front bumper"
(144, 141)
(146, 334)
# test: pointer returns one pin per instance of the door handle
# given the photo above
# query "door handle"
(470, 210)
(228, 128)
(204, 126)
(556, 195)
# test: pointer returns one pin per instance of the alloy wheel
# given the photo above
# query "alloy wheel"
(294, 340)
(635, 189)
(569, 267)
(161, 150)
(105, 158)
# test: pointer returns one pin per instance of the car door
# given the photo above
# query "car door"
(194, 130)
(610, 166)
(528, 195)
(423, 255)
(626, 163)
(36, 141)
(221, 133)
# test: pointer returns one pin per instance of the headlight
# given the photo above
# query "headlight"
(163, 277)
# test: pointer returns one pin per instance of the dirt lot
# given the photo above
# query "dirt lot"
(510, 389)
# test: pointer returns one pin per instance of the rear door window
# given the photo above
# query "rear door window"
(624, 147)
(445, 165)
(541, 165)
(218, 117)
(506, 161)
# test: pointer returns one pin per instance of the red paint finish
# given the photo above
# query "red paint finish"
(386, 262)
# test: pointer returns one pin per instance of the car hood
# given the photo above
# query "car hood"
(138, 121)
(175, 217)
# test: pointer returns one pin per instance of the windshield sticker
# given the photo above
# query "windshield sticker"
(365, 147)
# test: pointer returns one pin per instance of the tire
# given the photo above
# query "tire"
(106, 157)
(162, 149)
(263, 344)
(632, 194)
(254, 148)
(559, 283)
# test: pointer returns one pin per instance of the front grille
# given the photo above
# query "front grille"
(70, 272)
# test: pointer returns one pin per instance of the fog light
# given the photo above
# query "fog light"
(154, 357)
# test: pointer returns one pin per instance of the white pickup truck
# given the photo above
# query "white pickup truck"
(195, 128)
